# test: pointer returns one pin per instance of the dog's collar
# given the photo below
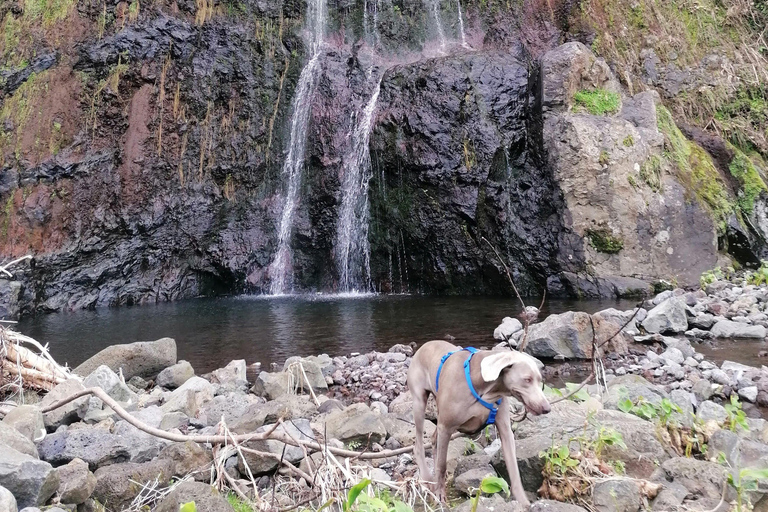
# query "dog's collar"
(494, 408)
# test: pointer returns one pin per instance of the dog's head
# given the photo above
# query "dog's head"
(520, 375)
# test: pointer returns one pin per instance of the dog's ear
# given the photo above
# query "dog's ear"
(491, 366)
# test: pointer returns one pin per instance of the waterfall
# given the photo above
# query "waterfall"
(438, 23)
(461, 26)
(281, 269)
(352, 251)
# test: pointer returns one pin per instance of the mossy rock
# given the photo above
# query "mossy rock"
(604, 241)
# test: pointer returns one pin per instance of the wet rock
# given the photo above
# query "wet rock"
(730, 329)
(7, 501)
(356, 423)
(31, 481)
(12, 438)
(507, 328)
(143, 358)
(617, 495)
(206, 498)
(66, 414)
(313, 372)
(190, 397)
(27, 420)
(272, 385)
(119, 484)
(668, 317)
(94, 446)
(77, 482)
(175, 375)
(10, 293)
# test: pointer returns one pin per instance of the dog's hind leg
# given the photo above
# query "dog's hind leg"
(440, 452)
(508, 449)
(419, 409)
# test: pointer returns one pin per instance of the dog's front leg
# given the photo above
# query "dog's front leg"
(441, 458)
(419, 407)
(504, 429)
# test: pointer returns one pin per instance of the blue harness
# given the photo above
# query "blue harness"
(491, 407)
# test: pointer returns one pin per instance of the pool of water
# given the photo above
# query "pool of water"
(211, 332)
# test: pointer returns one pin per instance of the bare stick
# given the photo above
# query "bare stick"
(4, 267)
(506, 269)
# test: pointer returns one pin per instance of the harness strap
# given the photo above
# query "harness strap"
(494, 408)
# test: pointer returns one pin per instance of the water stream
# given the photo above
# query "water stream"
(438, 23)
(281, 269)
(461, 26)
(352, 250)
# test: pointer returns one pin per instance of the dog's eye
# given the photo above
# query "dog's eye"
(529, 380)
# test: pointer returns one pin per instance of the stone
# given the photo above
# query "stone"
(493, 503)
(299, 429)
(188, 458)
(356, 423)
(143, 358)
(330, 405)
(77, 482)
(749, 393)
(729, 329)
(633, 387)
(175, 375)
(27, 420)
(103, 377)
(403, 406)
(703, 321)
(507, 328)
(272, 385)
(190, 397)
(668, 317)
(94, 446)
(231, 406)
(702, 390)
(617, 495)
(66, 414)
(718, 376)
(119, 484)
(174, 420)
(404, 431)
(670, 497)
(7, 501)
(710, 411)
(11, 437)
(673, 355)
(232, 377)
(206, 498)
(570, 335)
(701, 478)
(142, 446)
(313, 372)
(31, 481)
(554, 506)
(470, 480)
(684, 400)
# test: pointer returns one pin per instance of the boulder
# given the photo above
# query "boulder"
(554, 506)
(174, 420)
(403, 407)
(119, 484)
(77, 482)
(748, 393)
(667, 317)
(467, 481)
(729, 329)
(710, 411)
(31, 481)
(103, 377)
(356, 423)
(189, 397)
(66, 414)
(231, 407)
(272, 385)
(188, 458)
(7, 501)
(507, 328)
(313, 372)
(570, 335)
(9, 436)
(404, 431)
(617, 495)
(95, 446)
(299, 429)
(27, 420)
(633, 387)
(206, 498)
(701, 478)
(493, 503)
(143, 358)
(286, 407)
(703, 321)
(232, 377)
(175, 375)
(673, 356)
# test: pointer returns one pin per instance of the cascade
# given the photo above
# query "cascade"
(281, 269)
(438, 23)
(352, 250)
(461, 26)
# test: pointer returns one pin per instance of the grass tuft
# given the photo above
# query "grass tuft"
(598, 102)
(751, 184)
(603, 241)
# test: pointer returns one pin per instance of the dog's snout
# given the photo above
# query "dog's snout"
(545, 408)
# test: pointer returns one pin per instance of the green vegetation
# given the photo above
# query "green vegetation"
(489, 485)
(628, 141)
(650, 172)
(743, 118)
(710, 276)
(603, 241)
(598, 102)
(695, 170)
(746, 480)
(649, 411)
(189, 507)
(50, 11)
(238, 504)
(604, 158)
(759, 276)
(751, 184)
(736, 418)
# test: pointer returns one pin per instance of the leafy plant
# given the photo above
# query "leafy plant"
(558, 460)
(628, 141)
(579, 396)
(710, 276)
(735, 416)
(608, 437)
(238, 504)
(597, 102)
(604, 241)
(759, 276)
(648, 411)
(489, 485)
(188, 507)
(354, 493)
(746, 480)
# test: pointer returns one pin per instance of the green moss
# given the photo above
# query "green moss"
(628, 141)
(603, 241)
(598, 102)
(604, 158)
(50, 11)
(695, 170)
(650, 172)
(751, 184)
(238, 504)
(16, 111)
(632, 181)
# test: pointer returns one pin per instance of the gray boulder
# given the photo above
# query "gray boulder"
(507, 328)
(66, 414)
(231, 407)
(77, 482)
(633, 387)
(9, 436)
(356, 423)
(404, 431)
(190, 397)
(31, 481)
(27, 420)
(313, 372)
(143, 358)
(667, 317)
(95, 446)
(188, 458)
(701, 478)
(272, 385)
(570, 335)
(7, 501)
(554, 506)
(703, 321)
(142, 446)
(298, 429)
(119, 484)
(103, 377)
(206, 498)
(710, 411)
(617, 495)
(469, 480)
(493, 503)
(729, 329)
(232, 377)
(175, 375)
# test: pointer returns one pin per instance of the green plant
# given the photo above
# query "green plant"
(648, 411)
(354, 444)
(607, 437)
(632, 181)
(618, 466)
(604, 241)
(579, 396)
(628, 141)
(489, 485)
(759, 276)
(746, 480)
(188, 507)
(650, 172)
(471, 447)
(558, 460)
(735, 416)
(238, 504)
(354, 493)
(710, 276)
(597, 102)
(751, 184)
(604, 158)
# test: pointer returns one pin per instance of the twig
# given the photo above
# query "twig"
(506, 269)
(4, 267)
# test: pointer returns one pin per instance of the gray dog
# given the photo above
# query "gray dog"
(472, 389)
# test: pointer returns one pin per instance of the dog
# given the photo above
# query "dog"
(438, 367)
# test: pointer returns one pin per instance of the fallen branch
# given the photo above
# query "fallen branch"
(4, 268)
